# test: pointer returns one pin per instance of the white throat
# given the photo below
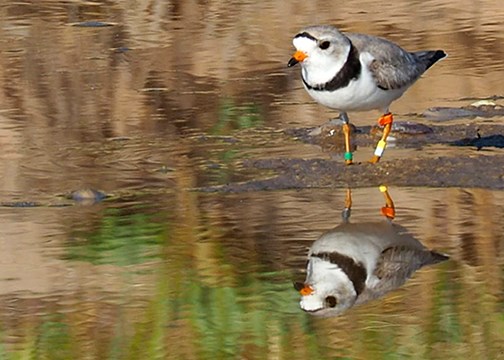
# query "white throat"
(327, 279)
(320, 67)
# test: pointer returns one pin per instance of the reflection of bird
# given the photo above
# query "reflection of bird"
(355, 263)
(355, 72)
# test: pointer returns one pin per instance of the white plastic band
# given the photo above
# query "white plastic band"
(380, 148)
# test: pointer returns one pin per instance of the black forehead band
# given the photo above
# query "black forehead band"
(306, 35)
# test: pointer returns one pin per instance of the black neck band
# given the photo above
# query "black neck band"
(355, 271)
(350, 71)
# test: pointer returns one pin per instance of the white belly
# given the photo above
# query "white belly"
(359, 95)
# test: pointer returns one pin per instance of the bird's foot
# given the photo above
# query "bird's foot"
(374, 159)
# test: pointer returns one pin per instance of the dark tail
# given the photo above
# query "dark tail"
(429, 58)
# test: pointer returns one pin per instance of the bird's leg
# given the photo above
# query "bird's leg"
(345, 214)
(389, 209)
(386, 121)
(347, 133)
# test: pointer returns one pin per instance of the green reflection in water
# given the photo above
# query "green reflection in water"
(232, 116)
(255, 320)
(53, 340)
(119, 240)
(215, 306)
(445, 322)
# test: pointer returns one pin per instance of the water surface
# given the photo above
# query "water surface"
(210, 276)
(148, 101)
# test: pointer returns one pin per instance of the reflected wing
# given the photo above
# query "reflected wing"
(397, 264)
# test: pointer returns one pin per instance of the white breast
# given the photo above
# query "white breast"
(359, 95)
(357, 245)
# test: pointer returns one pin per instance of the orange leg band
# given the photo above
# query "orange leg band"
(389, 209)
(385, 119)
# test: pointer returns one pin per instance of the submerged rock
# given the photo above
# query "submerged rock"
(329, 132)
(480, 109)
(93, 24)
(21, 204)
(87, 195)
(407, 128)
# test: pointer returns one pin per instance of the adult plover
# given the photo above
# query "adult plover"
(357, 72)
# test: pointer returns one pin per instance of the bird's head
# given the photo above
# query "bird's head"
(328, 289)
(325, 300)
(322, 46)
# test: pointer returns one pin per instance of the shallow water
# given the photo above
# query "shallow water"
(148, 101)
(190, 275)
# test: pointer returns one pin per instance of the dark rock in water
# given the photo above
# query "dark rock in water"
(122, 49)
(21, 204)
(448, 113)
(321, 133)
(87, 195)
(94, 24)
(479, 141)
(404, 128)
(411, 128)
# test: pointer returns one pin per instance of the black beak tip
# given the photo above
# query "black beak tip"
(292, 62)
(298, 285)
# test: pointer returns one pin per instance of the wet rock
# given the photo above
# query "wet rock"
(332, 128)
(87, 195)
(21, 204)
(93, 24)
(411, 128)
(165, 169)
(324, 134)
(121, 49)
(439, 171)
(119, 138)
(224, 139)
(483, 109)
(483, 103)
(407, 128)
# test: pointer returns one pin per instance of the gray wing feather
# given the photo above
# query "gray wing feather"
(392, 67)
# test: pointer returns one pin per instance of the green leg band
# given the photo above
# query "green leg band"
(348, 156)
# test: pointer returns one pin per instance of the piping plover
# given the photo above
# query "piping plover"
(355, 263)
(357, 72)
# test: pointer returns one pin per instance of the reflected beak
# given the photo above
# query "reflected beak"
(303, 288)
(298, 56)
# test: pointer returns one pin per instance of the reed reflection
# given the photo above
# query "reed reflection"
(358, 262)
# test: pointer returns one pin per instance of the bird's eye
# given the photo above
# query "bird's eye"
(324, 45)
(331, 301)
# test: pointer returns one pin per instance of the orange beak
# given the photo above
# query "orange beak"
(303, 288)
(306, 290)
(298, 56)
